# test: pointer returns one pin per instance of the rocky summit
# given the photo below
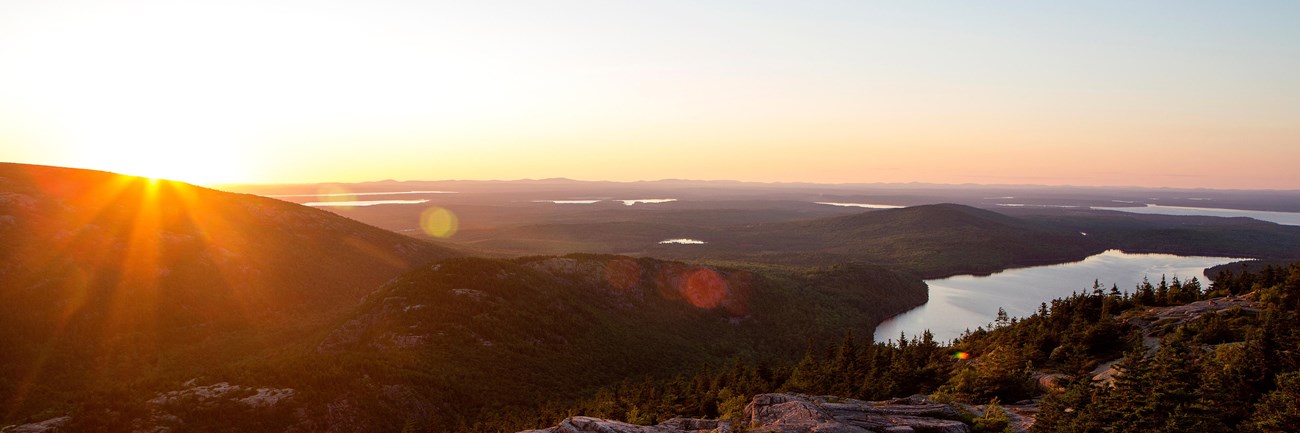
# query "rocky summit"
(797, 413)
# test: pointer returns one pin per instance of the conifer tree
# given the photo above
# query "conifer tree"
(1279, 410)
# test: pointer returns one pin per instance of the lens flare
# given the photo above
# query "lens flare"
(705, 288)
(334, 194)
(961, 355)
(438, 222)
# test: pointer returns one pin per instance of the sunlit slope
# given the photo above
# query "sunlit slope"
(105, 277)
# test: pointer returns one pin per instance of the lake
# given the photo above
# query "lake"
(1285, 218)
(965, 302)
(357, 203)
(568, 201)
(862, 205)
(349, 194)
(647, 200)
(682, 241)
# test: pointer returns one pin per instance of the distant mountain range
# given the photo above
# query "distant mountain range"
(979, 229)
(927, 240)
(907, 194)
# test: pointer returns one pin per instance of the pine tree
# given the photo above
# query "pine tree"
(1002, 319)
(1173, 378)
(806, 375)
(1279, 410)
(1145, 293)
(1162, 292)
(845, 374)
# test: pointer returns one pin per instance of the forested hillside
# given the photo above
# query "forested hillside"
(111, 283)
(1168, 356)
(452, 344)
(1183, 235)
(929, 240)
(473, 338)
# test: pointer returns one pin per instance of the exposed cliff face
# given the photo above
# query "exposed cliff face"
(795, 413)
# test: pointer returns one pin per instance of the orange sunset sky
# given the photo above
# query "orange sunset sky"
(1158, 93)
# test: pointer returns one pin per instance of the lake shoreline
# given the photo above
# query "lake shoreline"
(960, 302)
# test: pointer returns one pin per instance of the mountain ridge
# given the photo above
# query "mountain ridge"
(108, 276)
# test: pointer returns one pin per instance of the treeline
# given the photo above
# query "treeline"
(1234, 370)
(845, 368)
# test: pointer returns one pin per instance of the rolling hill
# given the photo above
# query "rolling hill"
(1185, 235)
(445, 345)
(135, 304)
(109, 280)
(928, 240)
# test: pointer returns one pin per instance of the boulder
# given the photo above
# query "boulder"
(798, 413)
(51, 425)
(584, 424)
(1051, 382)
(795, 413)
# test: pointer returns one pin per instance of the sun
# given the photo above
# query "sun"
(196, 161)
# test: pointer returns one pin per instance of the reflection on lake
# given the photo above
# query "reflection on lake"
(1287, 218)
(682, 241)
(350, 203)
(349, 194)
(647, 200)
(865, 205)
(1062, 206)
(567, 201)
(965, 301)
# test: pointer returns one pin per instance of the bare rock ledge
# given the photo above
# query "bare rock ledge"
(796, 413)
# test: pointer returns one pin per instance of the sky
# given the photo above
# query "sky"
(1151, 93)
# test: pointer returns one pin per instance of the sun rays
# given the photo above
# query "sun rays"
(110, 281)
(118, 240)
